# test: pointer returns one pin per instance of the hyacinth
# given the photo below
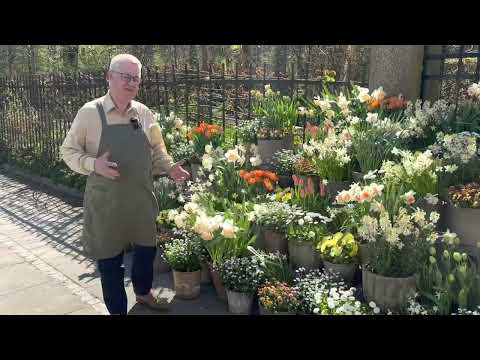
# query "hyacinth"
(422, 117)
(457, 147)
(332, 147)
(359, 194)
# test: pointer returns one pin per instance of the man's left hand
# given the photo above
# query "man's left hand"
(178, 173)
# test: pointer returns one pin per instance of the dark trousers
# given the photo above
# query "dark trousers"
(112, 274)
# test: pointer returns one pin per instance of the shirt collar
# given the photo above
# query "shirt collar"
(109, 105)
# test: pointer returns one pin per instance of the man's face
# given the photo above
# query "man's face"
(125, 80)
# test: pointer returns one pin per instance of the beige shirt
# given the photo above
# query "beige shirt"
(80, 147)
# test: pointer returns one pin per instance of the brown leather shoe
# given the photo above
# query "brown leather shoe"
(154, 302)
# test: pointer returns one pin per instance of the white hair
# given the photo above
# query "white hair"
(122, 58)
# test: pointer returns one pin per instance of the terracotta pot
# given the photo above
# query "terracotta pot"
(187, 284)
(387, 292)
(274, 241)
(309, 183)
(263, 311)
(346, 271)
(217, 283)
(465, 223)
(159, 264)
(303, 254)
(267, 148)
(239, 303)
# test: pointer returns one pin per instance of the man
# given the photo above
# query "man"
(117, 143)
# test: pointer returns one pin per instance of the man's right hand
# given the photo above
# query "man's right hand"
(104, 167)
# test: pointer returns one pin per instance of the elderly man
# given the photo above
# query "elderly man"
(117, 143)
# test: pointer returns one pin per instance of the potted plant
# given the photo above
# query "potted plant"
(303, 234)
(277, 299)
(182, 256)
(307, 284)
(275, 267)
(462, 215)
(398, 245)
(372, 146)
(304, 175)
(202, 135)
(273, 218)
(339, 254)
(450, 280)
(331, 160)
(241, 278)
(224, 235)
(284, 165)
(276, 116)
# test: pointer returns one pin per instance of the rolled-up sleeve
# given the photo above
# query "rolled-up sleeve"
(162, 161)
(73, 149)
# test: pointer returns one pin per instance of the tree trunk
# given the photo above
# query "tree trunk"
(204, 57)
(11, 55)
(70, 57)
(32, 59)
(280, 59)
(245, 57)
(193, 56)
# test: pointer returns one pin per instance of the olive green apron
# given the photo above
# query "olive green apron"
(121, 211)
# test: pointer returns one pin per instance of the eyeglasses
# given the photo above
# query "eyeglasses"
(128, 77)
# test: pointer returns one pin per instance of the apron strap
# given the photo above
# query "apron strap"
(101, 112)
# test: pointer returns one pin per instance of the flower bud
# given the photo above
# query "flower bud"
(446, 254)
(451, 278)
(432, 251)
(457, 257)
(432, 260)
(456, 241)
(464, 256)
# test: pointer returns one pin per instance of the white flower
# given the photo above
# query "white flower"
(376, 310)
(169, 137)
(450, 168)
(207, 162)
(474, 90)
(431, 199)
(372, 304)
(256, 160)
(301, 222)
(178, 123)
(370, 175)
(363, 94)
(311, 234)
(372, 118)
(232, 155)
(208, 149)
(378, 94)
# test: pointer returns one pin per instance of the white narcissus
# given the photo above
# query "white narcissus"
(207, 162)
(178, 123)
(363, 94)
(256, 160)
(208, 149)
(232, 155)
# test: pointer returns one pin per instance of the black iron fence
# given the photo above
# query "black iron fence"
(37, 111)
(449, 70)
